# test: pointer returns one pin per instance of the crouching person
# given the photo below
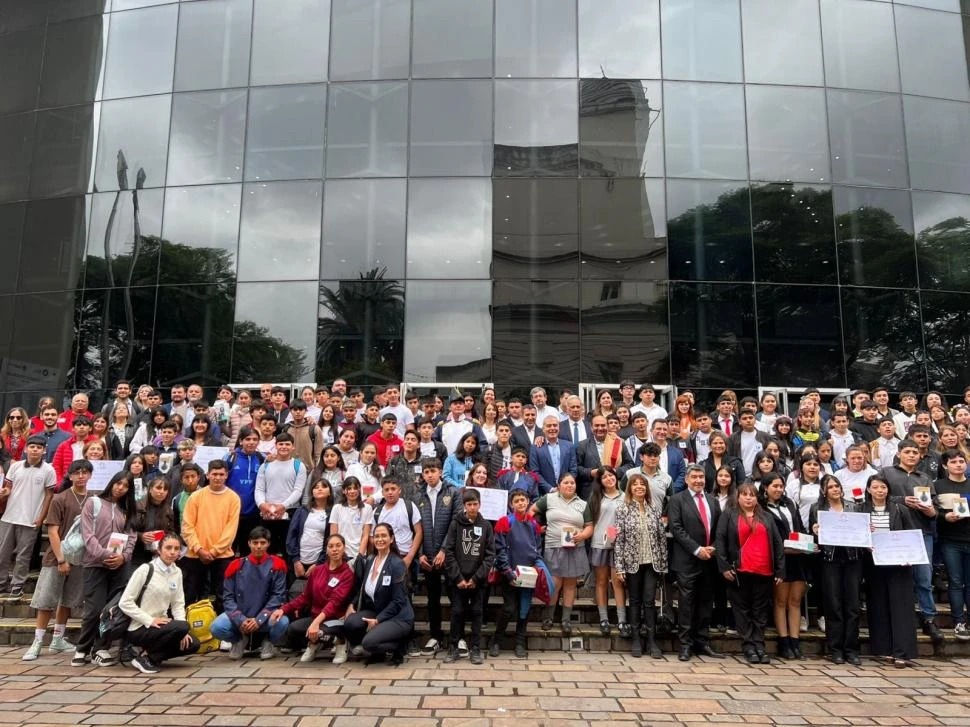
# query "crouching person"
(154, 591)
(253, 588)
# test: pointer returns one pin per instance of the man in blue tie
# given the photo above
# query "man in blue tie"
(575, 427)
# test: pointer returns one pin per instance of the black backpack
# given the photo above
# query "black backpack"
(113, 622)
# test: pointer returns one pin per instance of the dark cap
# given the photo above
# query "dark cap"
(37, 439)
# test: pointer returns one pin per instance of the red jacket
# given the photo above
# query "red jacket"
(320, 596)
(386, 448)
(66, 420)
(64, 456)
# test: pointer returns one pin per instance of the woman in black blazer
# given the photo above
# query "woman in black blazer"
(381, 618)
(718, 458)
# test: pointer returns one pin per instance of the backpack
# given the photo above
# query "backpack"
(113, 622)
(410, 504)
(233, 456)
(296, 465)
(200, 616)
(72, 544)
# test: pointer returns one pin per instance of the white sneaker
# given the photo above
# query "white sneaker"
(225, 646)
(821, 623)
(236, 650)
(431, 648)
(357, 650)
(59, 644)
(960, 631)
(804, 624)
(462, 649)
(340, 653)
(104, 658)
(34, 651)
(309, 654)
(267, 650)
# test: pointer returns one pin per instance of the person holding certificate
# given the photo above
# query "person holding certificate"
(953, 531)
(841, 574)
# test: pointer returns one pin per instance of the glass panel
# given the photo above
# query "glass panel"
(704, 131)
(59, 10)
(702, 40)
(449, 228)
(709, 231)
(290, 41)
(16, 141)
(360, 330)
(72, 62)
(20, 58)
(782, 42)
(883, 335)
(141, 52)
(535, 38)
(370, 39)
(207, 137)
(624, 332)
(7, 303)
(619, 39)
(942, 240)
(929, 42)
(213, 44)
(712, 333)
(132, 143)
(952, 6)
(123, 239)
(193, 335)
(130, 4)
(367, 128)
(936, 139)
(535, 228)
(456, 312)
(200, 235)
(535, 332)
(285, 135)
(53, 247)
(799, 336)
(279, 238)
(281, 317)
(11, 234)
(364, 228)
(620, 129)
(452, 38)
(451, 128)
(945, 318)
(859, 40)
(874, 231)
(868, 146)
(536, 128)
(623, 230)
(41, 343)
(786, 130)
(63, 152)
(114, 331)
(793, 234)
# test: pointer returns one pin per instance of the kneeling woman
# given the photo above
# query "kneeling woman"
(148, 605)
(382, 618)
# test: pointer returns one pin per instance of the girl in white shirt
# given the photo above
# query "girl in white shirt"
(352, 518)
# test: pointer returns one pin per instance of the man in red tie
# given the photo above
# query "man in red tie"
(724, 418)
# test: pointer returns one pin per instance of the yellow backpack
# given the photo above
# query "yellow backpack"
(200, 616)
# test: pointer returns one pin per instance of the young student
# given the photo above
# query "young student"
(429, 446)
(352, 518)
(253, 588)
(192, 477)
(882, 450)
(308, 440)
(389, 444)
(268, 430)
(841, 437)
(279, 490)
(306, 540)
(469, 551)
(602, 506)
(167, 444)
(954, 536)
(907, 417)
(368, 472)
(71, 450)
(404, 517)
(518, 476)
(406, 466)
(244, 462)
(154, 517)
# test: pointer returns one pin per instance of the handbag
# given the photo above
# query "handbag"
(72, 544)
(113, 620)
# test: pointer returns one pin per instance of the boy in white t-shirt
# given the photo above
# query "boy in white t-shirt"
(403, 516)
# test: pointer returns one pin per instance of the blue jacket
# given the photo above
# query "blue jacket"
(242, 478)
(295, 533)
(541, 464)
(54, 440)
(446, 507)
(517, 542)
(676, 467)
(254, 589)
(390, 601)
(526, 480)
(455, 470)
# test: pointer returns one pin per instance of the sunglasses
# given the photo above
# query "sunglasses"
(14, 417)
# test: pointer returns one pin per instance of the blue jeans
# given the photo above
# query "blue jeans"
(957, 559)
(225, 630)
(923, 582)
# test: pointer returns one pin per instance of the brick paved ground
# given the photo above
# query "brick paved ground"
(548, 689)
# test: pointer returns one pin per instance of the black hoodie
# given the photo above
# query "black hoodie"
(469, 549)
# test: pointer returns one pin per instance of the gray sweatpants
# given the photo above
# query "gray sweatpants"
(17, 542)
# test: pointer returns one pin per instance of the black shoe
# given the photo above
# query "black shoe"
(520, 652)
(476, 656)
(796, 647)
(930, 629)
(567, 628)
(763, 657)
(837, 659)
(397, 658)
(684, 654)
(751, 657)
(707, 650)
(625, 630)
(493, 648)
(785, 650)
(636, 648)
(547, 624)
(452, 656)
(605, 627)
(854, 660)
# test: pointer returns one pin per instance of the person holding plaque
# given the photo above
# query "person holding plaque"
(953, 531)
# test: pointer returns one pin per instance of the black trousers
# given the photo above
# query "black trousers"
(841, 582)
(390, 635)
(277, 532)
(204, 580)
(696, 586)
(750, 596)
(165, 642)
(434, 586)
(99, 584)
(892, 619)
(641, 588)
(465, 603)
(296, 632)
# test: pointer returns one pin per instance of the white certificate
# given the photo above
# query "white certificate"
(899, 547)
(848, 529)
(204, 455)
(104, 470)
(495, 503)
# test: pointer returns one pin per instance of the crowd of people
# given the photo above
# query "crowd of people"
(327, 513)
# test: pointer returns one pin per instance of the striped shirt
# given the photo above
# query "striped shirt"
(880, 520)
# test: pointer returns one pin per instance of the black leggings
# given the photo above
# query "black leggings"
(99, 584)
(641, 587)
(165, 642)
(296, 632)
(390, 635)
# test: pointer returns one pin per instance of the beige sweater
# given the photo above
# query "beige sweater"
(164, 593)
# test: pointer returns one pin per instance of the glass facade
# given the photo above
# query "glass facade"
(711, 193)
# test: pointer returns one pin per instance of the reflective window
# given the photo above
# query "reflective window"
(704, 131)
(951, 5)
(868, 145)
(929, 42)
(620, 129)
(53, 244)
(43, 356)
(623, 229)
(364, 228)
(63, 152)
(16, 140)
(814, 356)
(619, 39)
(114, 327)
(7, 303)
(11, 232)
(945, 318)
(200, 235)
(786, 132)
(936, 140)
(207, 137)
(942, 240)
(782, 42)
(285, 135)
(449, 228)
(874, 233)
(21, 55)
(367, 127)
(457, 312)
(793, 234)
(451, 128)
(141, 52)
(193, 332)
(123, 239)
(702, 40)
(132, 143)
(712, 335)
(360, 330)
(709, 231)
(535, 332)
(370, 39)
(535, 228)
(860, 45)
(536, 128)
(279, 237)
(883, 326)
(131, 4)
(452, 38)
(290, 41)
(624, 331)
(72, 61)
(213, 44)
(535, 38)
(280, 317)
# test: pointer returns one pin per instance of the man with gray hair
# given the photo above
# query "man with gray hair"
(540, 399)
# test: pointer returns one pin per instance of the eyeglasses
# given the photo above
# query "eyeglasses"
(14, 417)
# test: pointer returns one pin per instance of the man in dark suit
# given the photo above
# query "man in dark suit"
(525, 434)
(693, 519)
(590, 456)
(575, 427)
(672, 459)
(724, 418)
(553, 457)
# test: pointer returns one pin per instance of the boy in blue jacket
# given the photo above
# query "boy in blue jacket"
(243, 463)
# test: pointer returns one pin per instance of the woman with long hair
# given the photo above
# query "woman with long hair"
(352, 518)
(147, 431)
(15, 431)
(120, 434)
(489, 421)
(783, 433)
(604, 500)
(202, 434)
(479, 476)
(100, 426)
(684, 412)
(154, 517)
(459, 463)
(331, 469)
(368, 472)
(604, 404)
(306, 537)
(328, 423)
(719, 457)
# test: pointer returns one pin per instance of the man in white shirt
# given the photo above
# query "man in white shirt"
(882, 451)
(279, 490)
(515, 412)
(539, 399)
(701, 439)
(907, 417)
(648, 406)
(747, 441)
(457, 425)
(574, 427)
(405, 417)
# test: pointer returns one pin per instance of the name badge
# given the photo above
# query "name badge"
(417, 469)
(395, 448)
(478, 531)
(172, 585)
(386, 581)
(357, 519)
(683, 444)
(333, 582)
